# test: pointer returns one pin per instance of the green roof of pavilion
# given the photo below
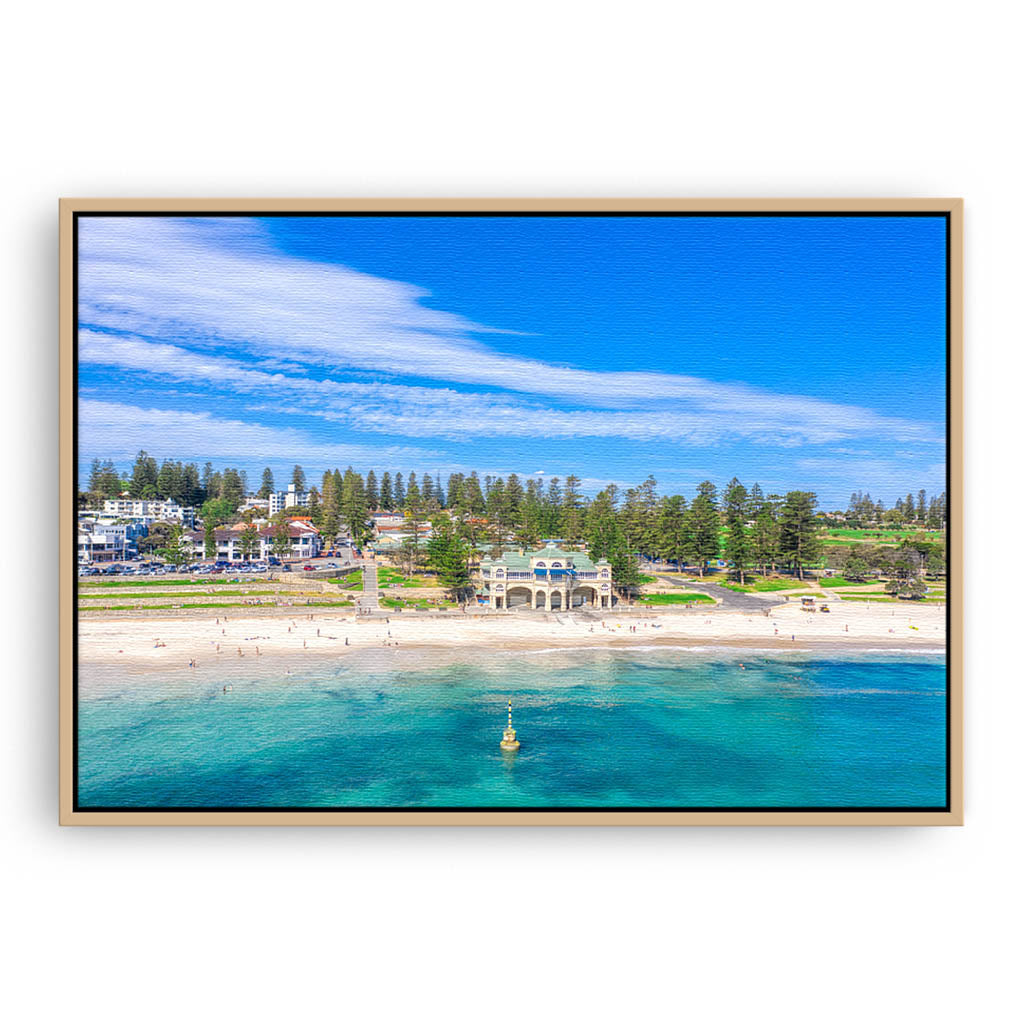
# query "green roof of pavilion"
(515, 561)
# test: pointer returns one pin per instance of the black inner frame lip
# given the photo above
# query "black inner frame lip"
(78, 808)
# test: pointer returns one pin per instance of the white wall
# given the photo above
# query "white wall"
(200, 99)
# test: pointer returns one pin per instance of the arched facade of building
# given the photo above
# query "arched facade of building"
(549, 579)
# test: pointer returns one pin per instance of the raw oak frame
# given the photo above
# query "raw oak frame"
(953, 815)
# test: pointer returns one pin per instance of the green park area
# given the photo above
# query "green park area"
(765, 586)
(841, 581)
(353, 580)
(882, 536)
(416, 604)
(158, 595)
(120, 584)
(393, 578)
(656, 600)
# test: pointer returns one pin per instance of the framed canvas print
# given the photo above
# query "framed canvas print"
(511, 512)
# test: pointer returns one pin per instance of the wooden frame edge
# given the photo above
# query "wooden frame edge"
(68, 207)
(596, 818)
(67, 555)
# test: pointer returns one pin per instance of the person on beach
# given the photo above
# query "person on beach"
(240, 654)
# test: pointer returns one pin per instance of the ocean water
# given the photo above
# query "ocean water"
(599, 728)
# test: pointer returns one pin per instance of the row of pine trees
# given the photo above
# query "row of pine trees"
(746, 527)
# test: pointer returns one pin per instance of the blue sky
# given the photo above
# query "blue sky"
(799, 352)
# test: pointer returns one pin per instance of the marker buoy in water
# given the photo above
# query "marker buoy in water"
(508, 738)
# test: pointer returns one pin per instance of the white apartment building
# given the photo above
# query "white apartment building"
(292, 498)
(304, 540)
(387, 519)
(102, 542)
(151, 509)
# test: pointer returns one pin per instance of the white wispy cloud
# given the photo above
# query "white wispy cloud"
(200, 287)
(118, 430)
(425, 412)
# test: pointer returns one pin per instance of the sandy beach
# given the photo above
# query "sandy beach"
(174, 642)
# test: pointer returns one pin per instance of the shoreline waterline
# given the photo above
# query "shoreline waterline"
(194, 642)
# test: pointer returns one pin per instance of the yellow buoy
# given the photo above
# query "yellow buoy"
(508, 737)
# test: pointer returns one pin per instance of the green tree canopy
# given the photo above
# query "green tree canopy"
(799, 531)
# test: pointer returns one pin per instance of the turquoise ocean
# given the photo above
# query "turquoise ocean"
(629, 727)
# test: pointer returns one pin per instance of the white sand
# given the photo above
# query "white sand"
(182, 639)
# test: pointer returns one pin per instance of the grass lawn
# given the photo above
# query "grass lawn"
(200, 604)
(886, 599)
(171, 593)
(842, 581)
(420, 603)
(663, 599)
(393, 578)
(765, 586)
(156, 583)
(882, 535)
(353, 579)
